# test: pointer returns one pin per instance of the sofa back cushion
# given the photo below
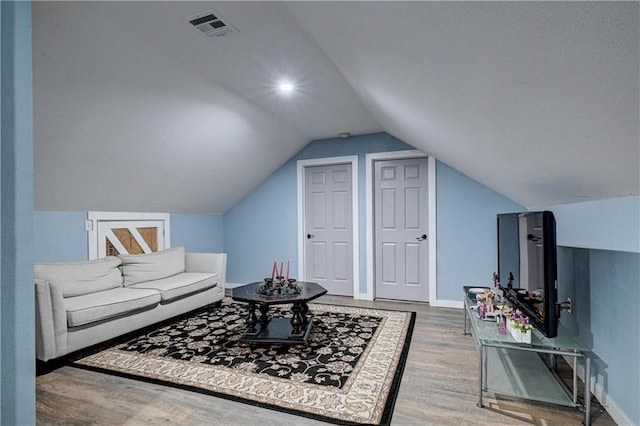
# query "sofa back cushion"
(138, 268)
(78, 278)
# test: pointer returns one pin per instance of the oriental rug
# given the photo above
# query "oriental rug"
(349, 373)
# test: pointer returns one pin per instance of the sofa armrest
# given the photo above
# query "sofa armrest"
(51, 321)
(208, 262)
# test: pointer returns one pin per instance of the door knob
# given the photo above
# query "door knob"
(310, 236)
(422, 237)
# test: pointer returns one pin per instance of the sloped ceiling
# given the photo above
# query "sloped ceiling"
(135, 110)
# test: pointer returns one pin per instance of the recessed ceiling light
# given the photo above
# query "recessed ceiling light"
(285, 87)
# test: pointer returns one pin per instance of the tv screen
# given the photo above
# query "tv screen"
(527, 253)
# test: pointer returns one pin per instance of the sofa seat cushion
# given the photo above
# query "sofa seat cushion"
(180, 285)
(139, 268)
(104, 305)
(84, 277)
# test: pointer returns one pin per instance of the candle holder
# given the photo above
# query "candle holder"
(278, 286)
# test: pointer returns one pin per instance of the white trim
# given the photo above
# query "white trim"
(115, 241)
(618, 416)
(442, 303)
(431, 170)
(233, 285)
(433, 237)
(98, 216)
(353, 160)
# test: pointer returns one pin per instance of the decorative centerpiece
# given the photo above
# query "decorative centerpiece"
(520, 327)
(278, 283)
(486, 305)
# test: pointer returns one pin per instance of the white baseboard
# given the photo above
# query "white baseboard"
(442, 303)
(601, 395)
(229, 286)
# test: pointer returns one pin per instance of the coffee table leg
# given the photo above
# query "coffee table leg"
(297, 320)
(264, 309)
(252, 319)
(303, 312)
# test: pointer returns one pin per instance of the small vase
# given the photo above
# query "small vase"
(520, 336)
(516, 334)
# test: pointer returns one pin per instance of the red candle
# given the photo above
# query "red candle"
(287, 270)
(281, 266)
(273, 271)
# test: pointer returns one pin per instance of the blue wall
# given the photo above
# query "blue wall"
(599, 268)
(17, 316)
(466, 231)
(60, 236)
(256, 234)
(197, 232)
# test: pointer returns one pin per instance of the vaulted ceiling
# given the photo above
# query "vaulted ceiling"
(136, 110)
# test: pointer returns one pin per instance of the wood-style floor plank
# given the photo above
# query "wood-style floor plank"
(438, 387)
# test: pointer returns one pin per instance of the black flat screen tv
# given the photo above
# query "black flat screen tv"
(527, 252)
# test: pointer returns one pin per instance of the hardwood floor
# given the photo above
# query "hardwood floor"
(438, 388)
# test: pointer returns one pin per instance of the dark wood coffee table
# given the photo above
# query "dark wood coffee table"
(265, 329)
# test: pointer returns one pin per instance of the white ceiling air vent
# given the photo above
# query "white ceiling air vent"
(212, 24)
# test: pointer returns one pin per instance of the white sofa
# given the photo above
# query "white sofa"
(80, 304)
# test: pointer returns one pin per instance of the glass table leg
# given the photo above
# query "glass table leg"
(480, 374)
(587, 390)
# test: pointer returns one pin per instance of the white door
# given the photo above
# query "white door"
(130, 237)
(328, 225)
(401, 227)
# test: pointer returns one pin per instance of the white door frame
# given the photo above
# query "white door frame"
(91, 226)
(301, 165)
(431, 185)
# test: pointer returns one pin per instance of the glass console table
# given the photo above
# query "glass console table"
(524, 372)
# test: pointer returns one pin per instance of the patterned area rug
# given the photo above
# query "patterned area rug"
(348, 374)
